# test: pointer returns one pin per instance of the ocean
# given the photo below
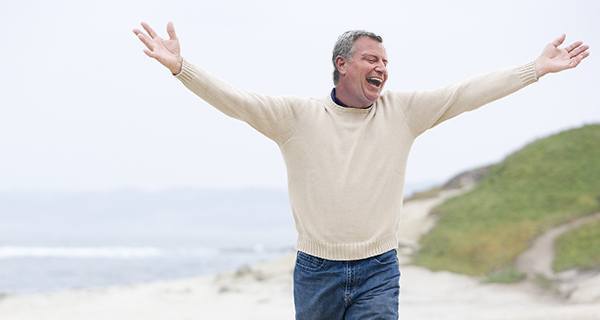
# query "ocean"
(53, 241)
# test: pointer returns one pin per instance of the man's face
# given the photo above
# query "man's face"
(365, 73)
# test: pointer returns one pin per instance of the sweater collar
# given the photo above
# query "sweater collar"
(340, 103)
(337, 105)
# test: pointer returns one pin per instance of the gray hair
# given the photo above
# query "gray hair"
(344, 46)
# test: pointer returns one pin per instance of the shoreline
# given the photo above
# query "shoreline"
(264, 290)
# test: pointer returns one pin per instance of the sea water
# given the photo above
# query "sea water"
(52, 241)
(63, 240)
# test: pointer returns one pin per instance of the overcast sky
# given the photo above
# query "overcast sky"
(83, 108)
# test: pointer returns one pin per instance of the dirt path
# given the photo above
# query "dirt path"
(416, 220)
(537, 260)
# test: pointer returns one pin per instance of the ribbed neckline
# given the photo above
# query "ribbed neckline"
(334, 106)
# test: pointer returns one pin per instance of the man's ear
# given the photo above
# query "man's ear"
(341, 64)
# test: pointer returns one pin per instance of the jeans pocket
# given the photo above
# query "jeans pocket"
(309, 262)
(387, 257)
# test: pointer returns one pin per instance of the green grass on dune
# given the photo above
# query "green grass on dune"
(548, 182)
(578, 248)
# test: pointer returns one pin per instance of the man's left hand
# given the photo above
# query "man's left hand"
(555, 59)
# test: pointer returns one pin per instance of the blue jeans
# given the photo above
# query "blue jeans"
(357, 289)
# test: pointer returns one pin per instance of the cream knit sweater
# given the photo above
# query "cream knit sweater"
(346, 166)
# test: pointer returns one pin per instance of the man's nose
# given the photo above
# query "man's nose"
(380, 68)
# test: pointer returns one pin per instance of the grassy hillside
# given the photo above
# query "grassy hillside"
(548, 182)
(579, 248)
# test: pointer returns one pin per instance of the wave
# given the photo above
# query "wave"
(79, 252)
(124, 252)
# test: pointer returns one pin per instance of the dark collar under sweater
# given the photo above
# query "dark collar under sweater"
(336, 100)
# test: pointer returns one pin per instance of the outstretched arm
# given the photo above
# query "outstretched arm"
(274, 117)
(426, 109)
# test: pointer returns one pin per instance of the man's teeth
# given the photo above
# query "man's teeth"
(375, 81)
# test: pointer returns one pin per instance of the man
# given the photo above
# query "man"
(346, 155)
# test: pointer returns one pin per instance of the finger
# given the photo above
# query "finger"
(137, 32)
(148, 29)
(573, 46)
(149, 53)
(578, 50)
(171, 31)
(559, 40)
(576, 60)
(583, 56)
(146, 40)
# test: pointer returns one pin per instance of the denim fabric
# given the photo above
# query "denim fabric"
(357, 289)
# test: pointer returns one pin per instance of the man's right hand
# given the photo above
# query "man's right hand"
(167, 52)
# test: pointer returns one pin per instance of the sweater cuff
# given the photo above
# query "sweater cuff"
(527, 73)
(177, 75)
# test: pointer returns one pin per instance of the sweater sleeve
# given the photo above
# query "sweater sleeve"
(426, 109)
(272, 116)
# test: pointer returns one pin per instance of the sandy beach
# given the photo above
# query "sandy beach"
(264, 291)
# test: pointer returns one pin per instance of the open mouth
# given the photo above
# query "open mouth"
(377, 82)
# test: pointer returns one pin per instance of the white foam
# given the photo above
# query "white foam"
(79, 252)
